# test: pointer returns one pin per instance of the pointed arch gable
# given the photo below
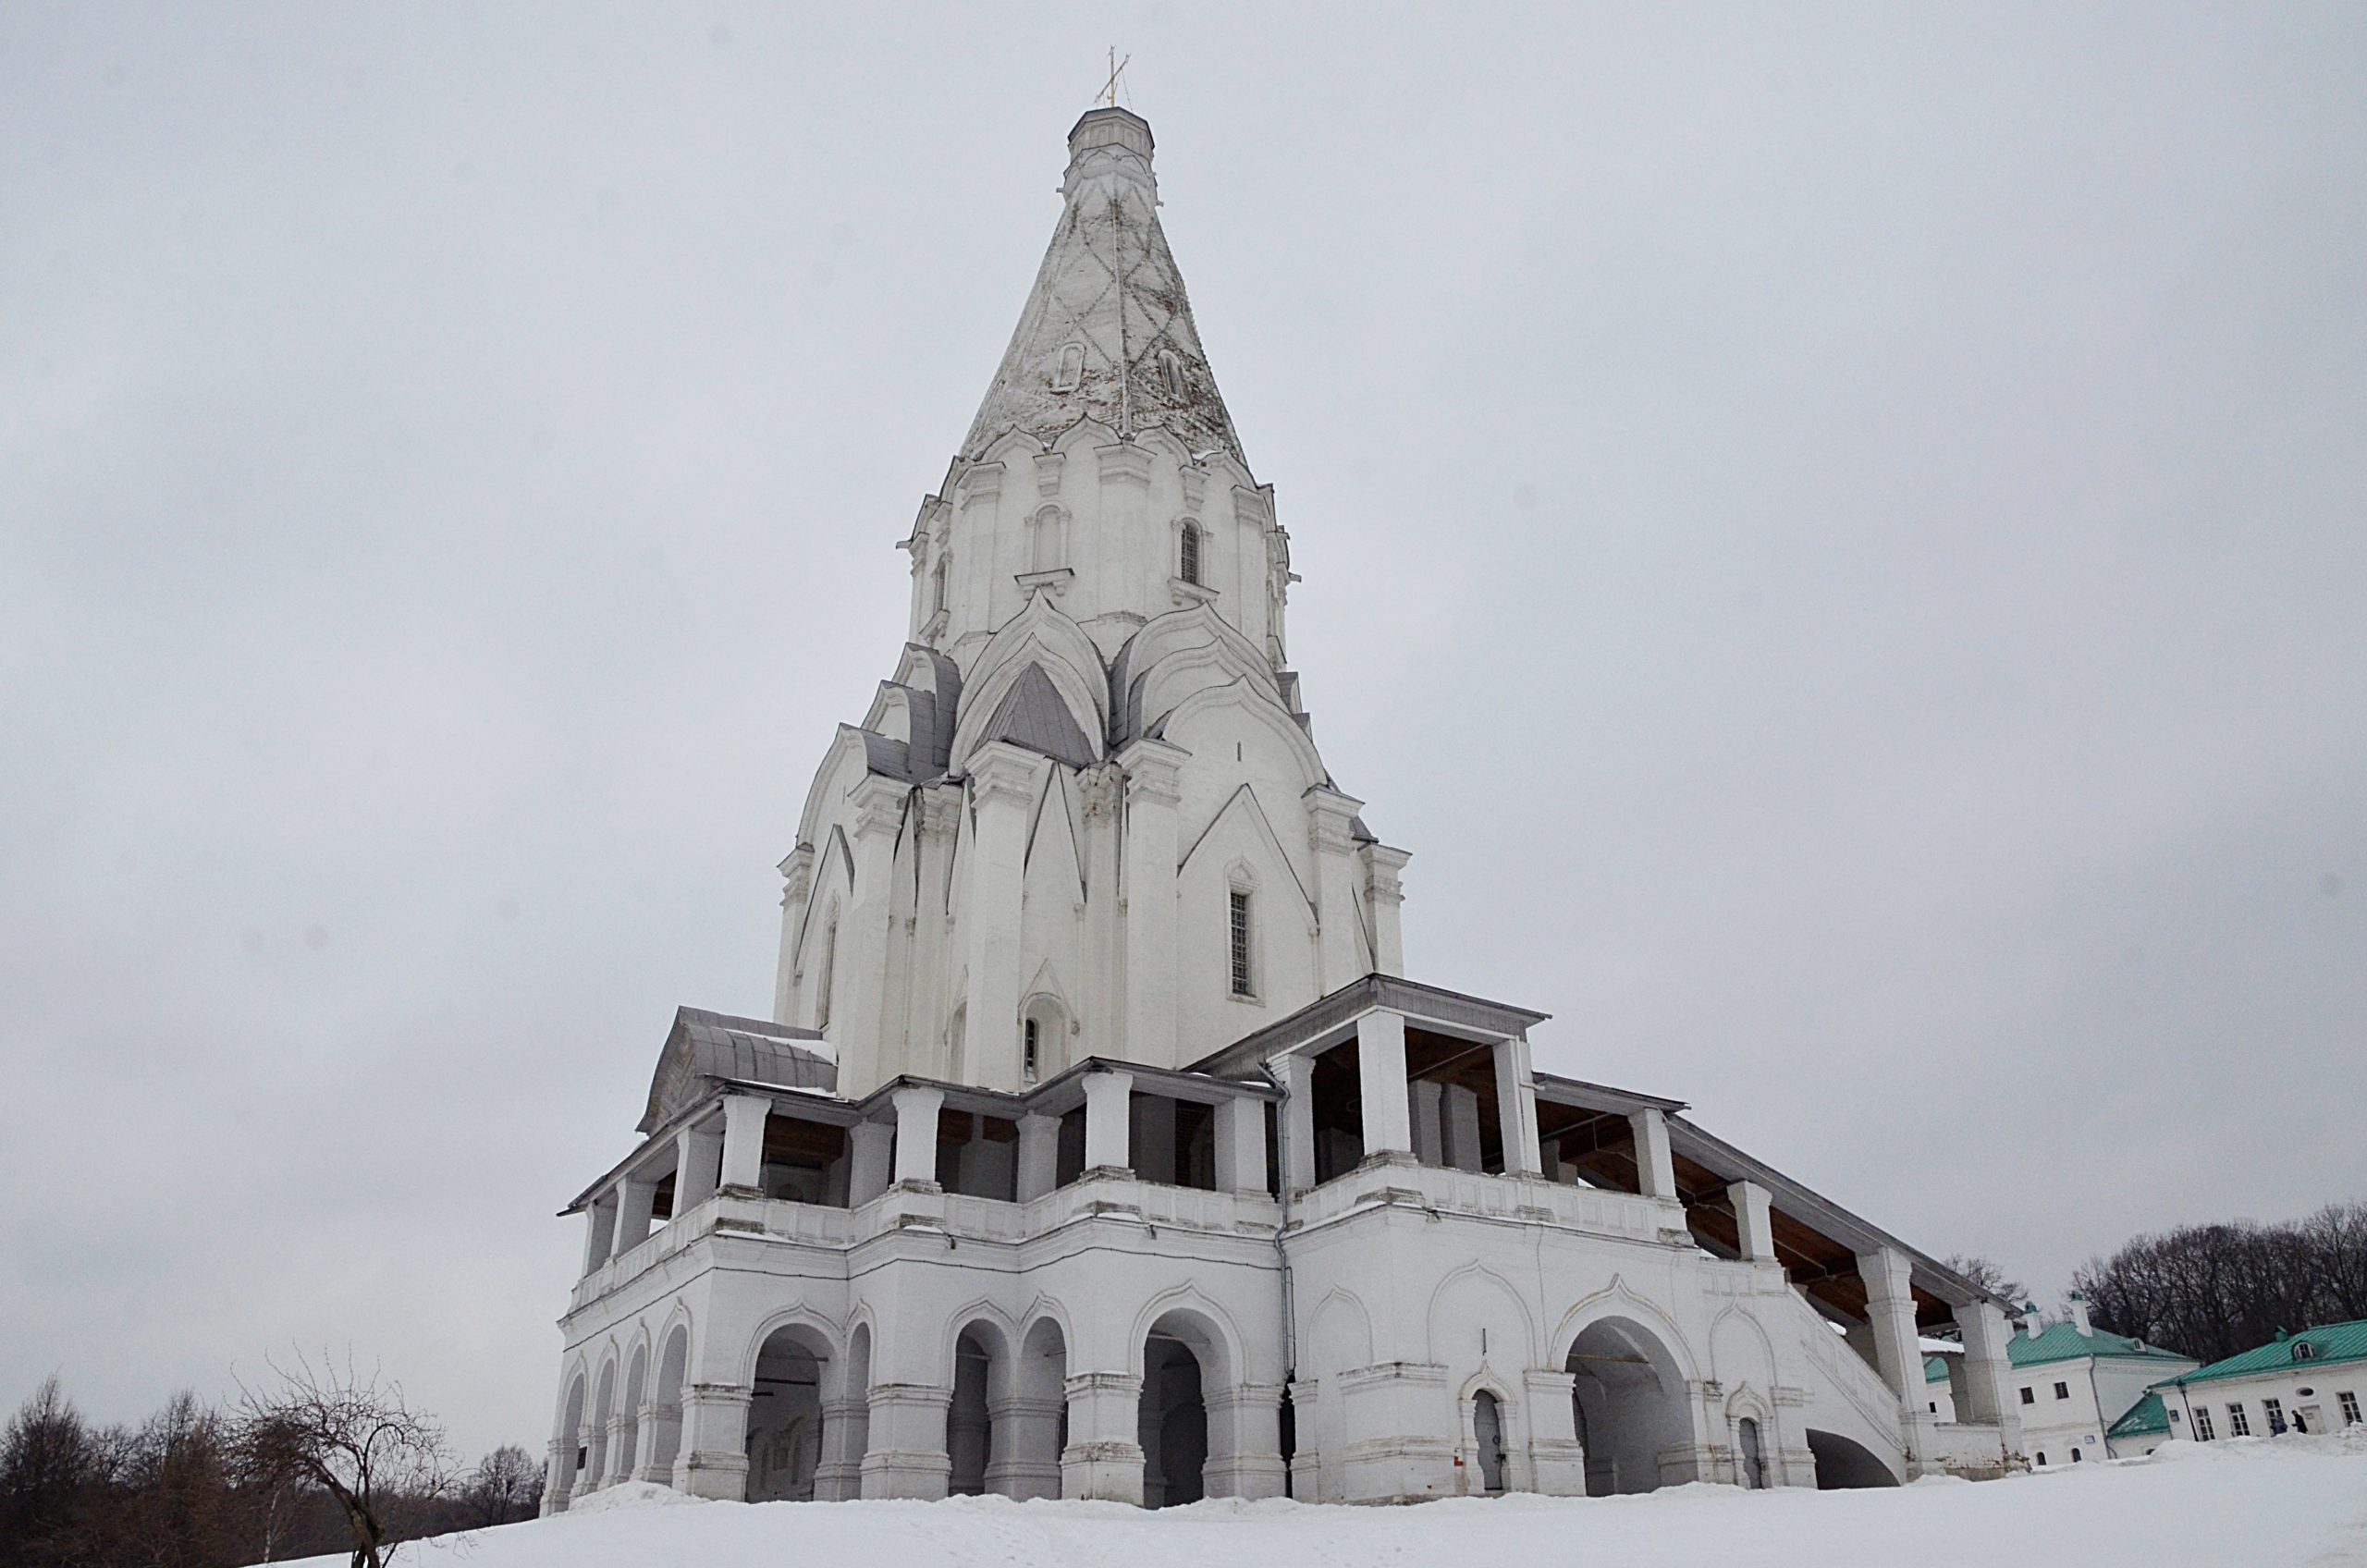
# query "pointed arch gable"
(1479, 1277)
(1178, 650)
(1054, 829)
(1039, 635)
(1339, 1320)
(1242, 805)
(1243, 697)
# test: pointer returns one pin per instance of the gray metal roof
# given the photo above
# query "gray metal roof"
(705, 1046)
(1032, 714)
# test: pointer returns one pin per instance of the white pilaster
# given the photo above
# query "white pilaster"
(1384, 893)
(1298, 1072)
(1104, 1458)
(797, 886)
(1002, 787)
(1890, 1310)
(1341, 939)
(1429, 1121)
(1153, 773)
(859, 998)
(599, 1231)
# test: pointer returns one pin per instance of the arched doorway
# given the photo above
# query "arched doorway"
(1751, 1448)
(1843, 1464)
(1174, 1424)
(978, 1371)
(596, 1468)
(575, 1453)
(1631, 1407)
(1038, 1422)
(666, 1415)
(1488, 1437)
(636, 1393)
(785, 1416)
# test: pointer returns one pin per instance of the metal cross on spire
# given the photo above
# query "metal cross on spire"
(1109, 93)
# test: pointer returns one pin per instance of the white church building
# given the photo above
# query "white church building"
(1100, 1146)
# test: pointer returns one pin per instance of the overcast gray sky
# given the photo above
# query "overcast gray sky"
(1833, 534)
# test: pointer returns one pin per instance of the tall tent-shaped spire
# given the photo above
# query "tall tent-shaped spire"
(1108, 332)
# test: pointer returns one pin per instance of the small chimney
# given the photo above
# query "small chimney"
(2030, 1324)
(2079, 1315)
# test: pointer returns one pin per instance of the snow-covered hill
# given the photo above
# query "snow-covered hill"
(2258, 1503)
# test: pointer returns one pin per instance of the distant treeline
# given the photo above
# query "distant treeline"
(2210, 1290)
(197, 1486)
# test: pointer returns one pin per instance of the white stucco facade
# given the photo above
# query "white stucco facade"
(1099, 1146)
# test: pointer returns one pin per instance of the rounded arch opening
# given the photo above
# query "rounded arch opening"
(673, 1362)
(1185, 1358)
(785, 1415)
(981, 1360)
(602, 1408)
(1845, 1464)
(577, 1453)
(1630, 1407)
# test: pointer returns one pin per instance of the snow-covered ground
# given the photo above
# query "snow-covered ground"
(2284, 1502)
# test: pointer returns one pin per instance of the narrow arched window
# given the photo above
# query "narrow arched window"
(937, 580)
(1238, 943)
(1031, 1056)
(1069, 373)
(1170, 366)
(1187, 564)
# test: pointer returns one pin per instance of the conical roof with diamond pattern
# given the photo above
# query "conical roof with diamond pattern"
(1108, 331)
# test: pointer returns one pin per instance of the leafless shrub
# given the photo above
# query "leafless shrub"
(349, 1439)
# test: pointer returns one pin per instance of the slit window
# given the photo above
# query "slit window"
(1187, 564)
(1030, 1056)
(1238, 944)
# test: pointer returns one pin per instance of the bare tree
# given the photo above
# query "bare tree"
(351, 1440)
(2211, 1291)
(1989, 1276)
(507, 1486)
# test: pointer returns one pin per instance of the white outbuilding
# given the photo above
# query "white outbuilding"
(1100, 1147)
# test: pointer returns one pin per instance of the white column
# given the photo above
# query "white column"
(1429, 1121)
(1460, 1106)
(870, 1155)
(1241, 1145)
(743, 1141)
(1556, 1464)
(1298, 1122)
(1153, 771)
(1341, 937)
(636, 1195)
(1754, 1221)
(1039, 1156)
(1380, 1066)
(1516, 1107)
(859, 1012)
(1987, 1370)
(600, 1231)
(698, 1166)
(916, 1113)
(1108, 1127)
(1655, 1170)
(1890, 1310)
